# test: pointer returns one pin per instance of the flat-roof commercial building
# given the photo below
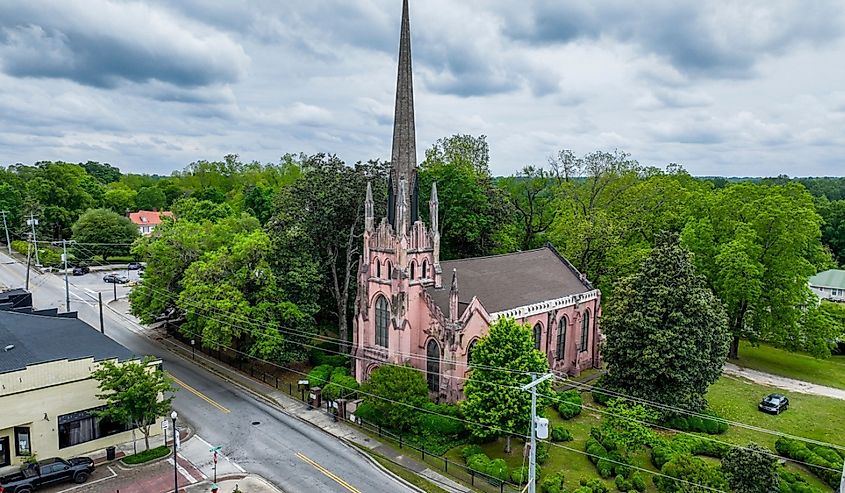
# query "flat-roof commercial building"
(48, 400)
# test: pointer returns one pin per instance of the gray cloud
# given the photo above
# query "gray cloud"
(103, 43)
(709, 39)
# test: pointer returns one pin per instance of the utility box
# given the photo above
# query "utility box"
(542, 427)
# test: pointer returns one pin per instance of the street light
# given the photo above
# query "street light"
(173, 416)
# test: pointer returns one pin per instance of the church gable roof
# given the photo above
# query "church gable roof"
(504, 282)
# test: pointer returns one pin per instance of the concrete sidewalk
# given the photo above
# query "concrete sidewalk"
(246, 484)
(300, 410)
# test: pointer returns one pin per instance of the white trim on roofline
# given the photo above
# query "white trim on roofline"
(545, 306)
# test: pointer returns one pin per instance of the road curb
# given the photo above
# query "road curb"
(275, 404)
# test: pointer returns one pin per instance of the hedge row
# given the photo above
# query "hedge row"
(686, 444)
(569, 404)
(47, 256)
(793, 483)
(325, 354)
(824, 462)
(609, 464)
(496, 469)
(711, 425)
(636, 483)
(560, 434)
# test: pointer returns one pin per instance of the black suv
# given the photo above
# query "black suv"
(47, 472)
(81, 270)
(774, 404)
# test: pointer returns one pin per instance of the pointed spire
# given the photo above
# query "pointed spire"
(453, 296)
(404, 155)
(369, 209)
(434, 209)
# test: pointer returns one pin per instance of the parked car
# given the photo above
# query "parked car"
(115, 279)
(774, 404)
(134, 266)
(47, 472)
(81, 270)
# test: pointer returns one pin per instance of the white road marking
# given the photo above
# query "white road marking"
(91, 292)
(80, 298)
(113, 475)
(184, 472)
(230, 461)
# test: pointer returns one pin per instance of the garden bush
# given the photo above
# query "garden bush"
(826, 470)
(498, 469)
(478, 463)
(686, 444)
(569, 404)
(368, 413)
(683, 469)
(712, 425)
(469, 451)
(561, 434)
(320, 376)
(595, 485)
(553, 483)
(340, 387)
(542, 452)
(519, 475)
(598, 396)
(793, 483)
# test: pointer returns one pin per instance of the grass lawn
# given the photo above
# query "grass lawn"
(800, 366)
(147, 455)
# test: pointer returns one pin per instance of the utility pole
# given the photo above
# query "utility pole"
(103, 330)
(6, 227)
(28, 261)
(539, 429)
(842, 480)
(67, 286)
(34, 222)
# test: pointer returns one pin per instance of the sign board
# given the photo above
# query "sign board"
(303, 382)
(178, 439)
(165, 425)
(312, 396)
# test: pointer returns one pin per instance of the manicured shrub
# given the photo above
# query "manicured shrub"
(320, 376)
(339, 371)
(498, 469)
(561, 434)
(595, 485)
(712, 425)
(683, 469)
(553, 483)
(519, 475)
(569, 404)
(470, 450)
(441, 419)
(368, 413)
(826, 470)
(623, 484)
(598, 396)
(542, 452)
(342, 386)
(478, 463)
(638, 482)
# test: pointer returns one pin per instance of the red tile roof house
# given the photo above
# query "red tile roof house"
(148, 220)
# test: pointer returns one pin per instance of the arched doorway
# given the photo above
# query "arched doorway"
(432, 365)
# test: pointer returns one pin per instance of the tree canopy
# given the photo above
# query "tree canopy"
(104, 233)
(667, 334)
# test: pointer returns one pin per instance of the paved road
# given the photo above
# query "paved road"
(294, 456)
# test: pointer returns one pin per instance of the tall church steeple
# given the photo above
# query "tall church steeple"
(403, 159)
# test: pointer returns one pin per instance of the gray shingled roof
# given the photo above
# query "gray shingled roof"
(504, 282)
(41, 339)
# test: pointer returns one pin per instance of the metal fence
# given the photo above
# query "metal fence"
(438, 462)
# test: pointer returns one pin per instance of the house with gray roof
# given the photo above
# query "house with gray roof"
(829, 285)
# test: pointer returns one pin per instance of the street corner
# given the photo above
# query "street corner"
(232, 484)
(157, 477)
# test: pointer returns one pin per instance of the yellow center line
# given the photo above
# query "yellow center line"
(327, 473)
(199, 394)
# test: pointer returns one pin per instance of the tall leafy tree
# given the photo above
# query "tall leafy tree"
(120, 199)
(471, 207)
(150, 199)
(59, 193)
(134, 393)
(833, 230)
(752, 469)
(502, 362)
(667, 334)
(394, 392)
(531, 193)
(105, 173)
(104, 233)
(327, 205)
(757, 245)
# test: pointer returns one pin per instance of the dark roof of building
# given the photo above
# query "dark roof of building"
(41, 339)
(504, 282)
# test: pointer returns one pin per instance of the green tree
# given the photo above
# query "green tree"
(105, 173)
(471, 207)
(150, 199)
(59, 193)
(628, 425)
(194, 210)
(688, 474)
(667, 335)
(105, 233)
(502, 362)
(833, 230)
(134, 393)
(757, 245)
(752, 469)
(120, 200)
(531, 193)
(327, 205)
(394, 392)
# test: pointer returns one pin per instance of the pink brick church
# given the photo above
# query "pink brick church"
(404, 313)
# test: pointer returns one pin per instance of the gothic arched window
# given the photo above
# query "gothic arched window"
(585, 330)
(470, 349)
(382, 319)
(413, 270)
(425, 269)
(561, 338)
(538, 335)
(378, 268)
(389, 268)
(432, 366)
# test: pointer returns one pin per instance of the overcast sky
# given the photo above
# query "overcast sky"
(722, 87)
